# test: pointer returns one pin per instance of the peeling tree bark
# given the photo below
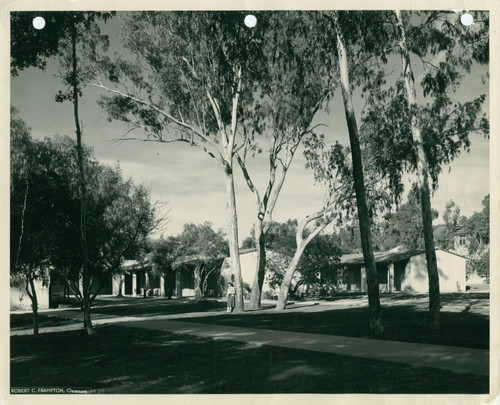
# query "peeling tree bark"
(423, 178)
(359, 187)
(301, 245)
(260, 271)
(197, 282)
(234, 251)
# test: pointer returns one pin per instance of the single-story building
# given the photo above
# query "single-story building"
(184, 279)
(20, 301)
(134, 277)
(405, 270)
(248, 263)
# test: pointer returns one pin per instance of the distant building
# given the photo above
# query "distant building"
(461, 241)
(248, 263)
(406, 270)
(20, 301)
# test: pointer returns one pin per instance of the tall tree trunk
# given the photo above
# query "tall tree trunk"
(87, 319)
(86, 293)
(34, 305)
(234, 250)
(359, 187)
(260, 271)
(146, 284)
(23, 216)
(423, 179)
(81, 172)
(197, 283)
(287, 280)
(301, 245)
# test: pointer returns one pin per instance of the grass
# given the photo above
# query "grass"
(404, 317)
(128, 360)
(25, 321)
(401, 324)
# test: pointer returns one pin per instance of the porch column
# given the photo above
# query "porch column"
(178, 286)
(363, 279)
(116, 284)
(122, 281)
(162, 285)
(146, 282)
(134, 284)
(390, 277)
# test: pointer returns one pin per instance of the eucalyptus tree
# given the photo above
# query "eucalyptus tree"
(188, 77)
(295, 82)
(333, 168)
(359, 37)
(421, 131)
(64, 36)
(315, 265)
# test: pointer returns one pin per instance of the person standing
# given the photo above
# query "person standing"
(231, 292)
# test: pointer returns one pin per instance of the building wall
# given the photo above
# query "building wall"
(248, 263)
(353, 278)
(20, 300)
(451, 269)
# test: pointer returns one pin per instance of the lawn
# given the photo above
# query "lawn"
(129, 360)
(25, 321)
(404, 317)
(401, 324)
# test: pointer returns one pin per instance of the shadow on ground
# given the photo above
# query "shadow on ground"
(404, 323)
(25, 321)
(128, 360)
(153, 306)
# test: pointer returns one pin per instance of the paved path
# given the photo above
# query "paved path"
(456, 359)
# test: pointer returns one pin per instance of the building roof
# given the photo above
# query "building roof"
(193, 259)
(246, 251)
(394, 255)
(134, 264)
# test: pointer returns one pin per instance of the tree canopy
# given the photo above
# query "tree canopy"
(45, 211)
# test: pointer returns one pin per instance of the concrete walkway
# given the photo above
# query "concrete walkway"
(456, 359)
(451, 358)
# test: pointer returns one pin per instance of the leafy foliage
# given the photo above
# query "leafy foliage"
(181, 64)
(316, 265)
(447, 51)
(478, 225)
(201, 246)
(32, 48)
(202, 243)
(40, 198)
(453, 221)
(404, 227)
(120, 214)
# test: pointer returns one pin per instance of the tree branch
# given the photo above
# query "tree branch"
(158, 110)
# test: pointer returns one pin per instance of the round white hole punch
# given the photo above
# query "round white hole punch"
(38, 22)
(250, 21)
(467, 19)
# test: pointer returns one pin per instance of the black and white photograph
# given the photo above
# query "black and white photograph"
(250, 201)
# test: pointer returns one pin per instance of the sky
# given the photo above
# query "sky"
(192, 185)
